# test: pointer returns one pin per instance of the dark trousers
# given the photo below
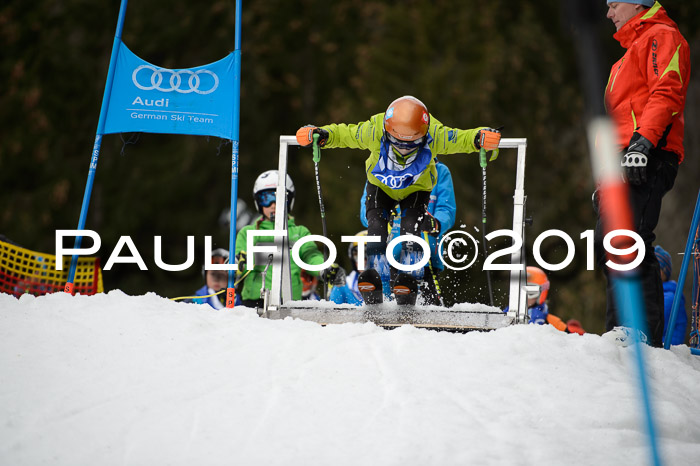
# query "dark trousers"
(645, 202)
(379, 205)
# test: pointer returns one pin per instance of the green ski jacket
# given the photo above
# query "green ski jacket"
(309, 253)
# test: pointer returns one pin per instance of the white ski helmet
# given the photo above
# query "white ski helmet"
(269, 180)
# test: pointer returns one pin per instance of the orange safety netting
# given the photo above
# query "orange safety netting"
(25, 271)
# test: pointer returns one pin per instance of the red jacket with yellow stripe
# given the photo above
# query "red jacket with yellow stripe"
(647, 87)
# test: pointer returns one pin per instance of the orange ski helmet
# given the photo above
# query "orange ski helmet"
(536, 276)
(406, 119)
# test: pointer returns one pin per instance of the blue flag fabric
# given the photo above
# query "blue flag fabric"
(151, 99)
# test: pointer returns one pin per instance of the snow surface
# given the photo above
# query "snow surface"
(113, 379)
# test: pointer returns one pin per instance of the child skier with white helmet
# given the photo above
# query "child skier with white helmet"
(403, 142)
(264, 195)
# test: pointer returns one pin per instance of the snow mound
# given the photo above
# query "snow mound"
(141, 380)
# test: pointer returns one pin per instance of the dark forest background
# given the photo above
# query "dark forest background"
(473, 63)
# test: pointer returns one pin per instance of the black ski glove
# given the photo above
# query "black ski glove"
(333, 275)
(328, 275)
(634, 162)
(242, 261)
(430, 224)
(340, 277)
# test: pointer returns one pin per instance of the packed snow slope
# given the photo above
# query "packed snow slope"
(113, 379)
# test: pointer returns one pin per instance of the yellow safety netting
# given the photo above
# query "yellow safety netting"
(25, 271)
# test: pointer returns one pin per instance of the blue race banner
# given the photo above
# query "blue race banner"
(150, 99)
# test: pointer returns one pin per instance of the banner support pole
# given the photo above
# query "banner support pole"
(681, 276)
(98, 144)
(231, 290)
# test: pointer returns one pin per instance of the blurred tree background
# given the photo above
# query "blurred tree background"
(308, 61)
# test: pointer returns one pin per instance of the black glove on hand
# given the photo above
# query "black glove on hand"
(328, 275)
(242, 261)
(340, 277)
(634, 162)
(430, 224)
(333, 275)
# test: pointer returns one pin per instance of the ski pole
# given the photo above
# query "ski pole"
(264, 292)
(317, 159)
(432, 272)
(483, 162)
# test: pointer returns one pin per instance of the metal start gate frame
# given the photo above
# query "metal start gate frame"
(281, 291)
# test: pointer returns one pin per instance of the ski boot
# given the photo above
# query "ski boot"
(405, 289)
(370, 285)
(406, 284)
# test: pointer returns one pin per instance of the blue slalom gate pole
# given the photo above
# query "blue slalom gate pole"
(98, 143)
(628, 295)
(681, 278)
(231, 290)
(627, 289)
(583, 21)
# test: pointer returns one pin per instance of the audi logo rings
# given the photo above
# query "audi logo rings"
(394, 182)
(175, 81)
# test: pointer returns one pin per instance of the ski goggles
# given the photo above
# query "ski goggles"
(538, 292)
(399, 144)
(266, 198)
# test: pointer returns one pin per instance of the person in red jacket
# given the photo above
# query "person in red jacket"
(645, 96)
